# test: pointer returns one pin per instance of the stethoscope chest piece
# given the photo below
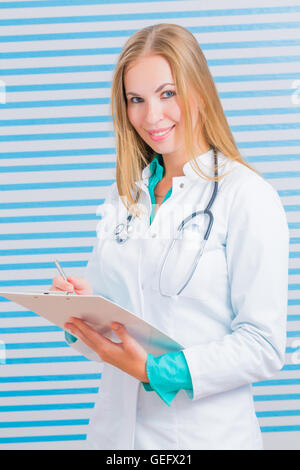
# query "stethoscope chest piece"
(119, 229)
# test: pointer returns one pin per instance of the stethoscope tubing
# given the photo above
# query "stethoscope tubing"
(120, 227)
(205, 238)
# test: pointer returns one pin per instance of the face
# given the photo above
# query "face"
(153, 107)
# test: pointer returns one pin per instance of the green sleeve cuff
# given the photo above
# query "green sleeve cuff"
(70, 338)
(168, 374)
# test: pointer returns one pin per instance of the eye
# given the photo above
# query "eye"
(170, 91)
(167, 91)
(135, 97)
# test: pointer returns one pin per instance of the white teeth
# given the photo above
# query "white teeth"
(160, 133)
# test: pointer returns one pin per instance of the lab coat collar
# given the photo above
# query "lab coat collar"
(205, 162)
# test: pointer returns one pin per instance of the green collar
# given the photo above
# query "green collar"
(157, 167)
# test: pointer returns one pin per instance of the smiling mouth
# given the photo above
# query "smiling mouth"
(161, 135)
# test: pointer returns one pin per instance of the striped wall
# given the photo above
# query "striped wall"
(58, 159)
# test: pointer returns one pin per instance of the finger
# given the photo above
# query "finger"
(122, 333)
(59, 283)
(74, 330)
(79, 283)
(88, 334)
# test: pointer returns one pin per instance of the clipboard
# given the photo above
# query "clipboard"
(57, 307)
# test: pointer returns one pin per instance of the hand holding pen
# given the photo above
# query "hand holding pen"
(70, 284)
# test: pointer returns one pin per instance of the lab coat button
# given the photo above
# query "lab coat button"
(181, 185)
(153, 235)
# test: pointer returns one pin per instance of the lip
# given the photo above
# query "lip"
(161, 137)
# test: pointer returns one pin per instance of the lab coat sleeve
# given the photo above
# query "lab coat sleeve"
(257, 251)
(93, 272)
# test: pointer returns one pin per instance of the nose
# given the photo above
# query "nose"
(153, 113)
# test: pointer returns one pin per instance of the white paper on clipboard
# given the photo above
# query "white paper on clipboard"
(98, 312)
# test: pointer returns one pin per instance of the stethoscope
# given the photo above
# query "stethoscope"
(127, 228)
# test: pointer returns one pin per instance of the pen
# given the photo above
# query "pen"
(61, 271)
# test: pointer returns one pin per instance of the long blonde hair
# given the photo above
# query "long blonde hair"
(190, 71)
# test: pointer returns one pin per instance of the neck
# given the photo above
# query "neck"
(174, 165)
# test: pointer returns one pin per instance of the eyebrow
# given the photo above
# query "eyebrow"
(156, 91)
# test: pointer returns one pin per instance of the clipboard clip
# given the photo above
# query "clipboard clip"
(53, 292)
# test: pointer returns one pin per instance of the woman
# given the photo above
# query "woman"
(229, 308)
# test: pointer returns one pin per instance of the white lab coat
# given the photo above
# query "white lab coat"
(231, 317)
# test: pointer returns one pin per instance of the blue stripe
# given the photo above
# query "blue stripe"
(47, 378)
(45, 344)
(268, 383)
(13, 266)
(129, 32)
(40, 204)
(39, 251)
(47, 235)
(293, 301)
(283, 396)
(46, 218)
(17, 314)
(54, 391)
(57, 167)
(64, 120)
(56, 103)
(272, 414)
(289, 192)
(18, 266)
(55, 136)
(274, 158)
(59, 3)
(293, 318)
(29, 329)
(60, 153)
(289, 367)
(45, 360)
(294, 286)
(268, 143)
(289, 350)
(64, 437)
(54, 185)
(253, 60)
(74, 86)
(56, 406)
(34, 424)
(280, 428)
(263, 112)
(281, 174)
